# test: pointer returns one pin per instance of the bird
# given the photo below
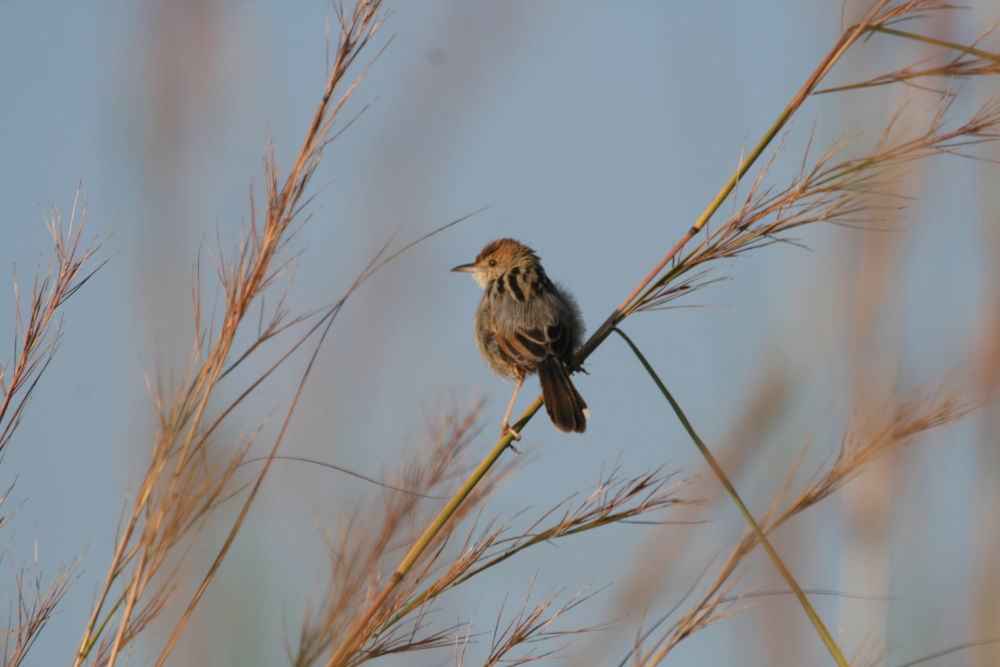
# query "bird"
(528, 324)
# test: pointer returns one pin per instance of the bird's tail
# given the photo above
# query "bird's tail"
(563, 402)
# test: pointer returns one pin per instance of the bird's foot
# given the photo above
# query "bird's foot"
(506, 429)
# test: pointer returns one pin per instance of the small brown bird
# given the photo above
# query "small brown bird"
(527, 324)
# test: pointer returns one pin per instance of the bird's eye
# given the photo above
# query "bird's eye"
(493, 262)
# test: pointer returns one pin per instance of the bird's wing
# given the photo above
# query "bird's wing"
(529, 347)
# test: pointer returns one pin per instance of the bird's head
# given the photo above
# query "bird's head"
(497, 258)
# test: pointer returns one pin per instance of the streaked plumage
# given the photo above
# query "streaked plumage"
(527, 324)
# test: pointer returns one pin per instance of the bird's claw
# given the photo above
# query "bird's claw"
(506, 429)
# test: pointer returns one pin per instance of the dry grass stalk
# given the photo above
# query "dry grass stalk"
(530, 625)
(614, 500)
(37, 334)
(33, 608)
(844, 192)
(374, 533)
(877, 436)
(659, 563)
(403, 623)
(873, 438)
(970, 61)
(870, 654)
(858, 21)
(186, 481)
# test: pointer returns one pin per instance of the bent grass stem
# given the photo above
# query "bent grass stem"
(817, 622)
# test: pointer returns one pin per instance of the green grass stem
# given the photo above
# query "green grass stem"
(717, 469)
(428, 537)
(986, 55)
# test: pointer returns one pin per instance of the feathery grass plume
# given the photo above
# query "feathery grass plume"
(614, 500)
(529, 626)
(863, 443)
(186, 481)
(844, 192)
(402, 623)
(874, 437)
(36, 339)
(32, 608)
(969, 62)
(525, 628)
(376, 531)
(870, 654)
(847, 192)
(37, 333)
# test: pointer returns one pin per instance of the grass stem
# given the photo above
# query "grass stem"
(344, 651)
(817, 622)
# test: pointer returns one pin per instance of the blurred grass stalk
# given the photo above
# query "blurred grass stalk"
(186, 482)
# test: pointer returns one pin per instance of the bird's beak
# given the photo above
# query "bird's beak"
(465, 268)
